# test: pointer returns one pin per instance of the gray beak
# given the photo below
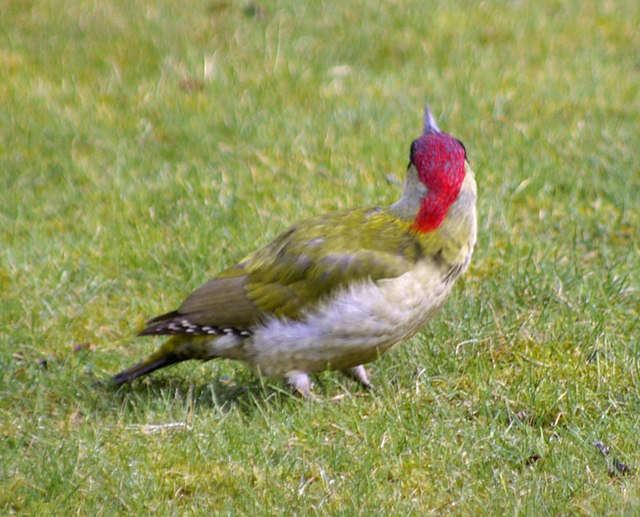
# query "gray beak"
(430, 125)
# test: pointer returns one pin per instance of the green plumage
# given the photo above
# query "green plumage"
(304, 264)
(337, 290)
(318, 255)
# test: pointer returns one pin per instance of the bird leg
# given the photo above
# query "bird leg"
(299, 381)
(359, 374)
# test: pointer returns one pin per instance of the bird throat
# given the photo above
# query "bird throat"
(434, 209)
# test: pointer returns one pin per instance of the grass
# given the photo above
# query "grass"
(145, 145)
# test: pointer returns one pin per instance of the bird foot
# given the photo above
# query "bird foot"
(299, 381)
(359, 374)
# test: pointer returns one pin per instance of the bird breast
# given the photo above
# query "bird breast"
(354, 326)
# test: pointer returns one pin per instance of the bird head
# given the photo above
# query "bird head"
(435, 175)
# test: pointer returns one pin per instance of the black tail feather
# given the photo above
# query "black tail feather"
(144, 367)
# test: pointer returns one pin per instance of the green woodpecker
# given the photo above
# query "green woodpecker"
(339, 290)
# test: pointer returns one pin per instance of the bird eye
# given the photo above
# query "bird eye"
(412, 152)
(463, 148)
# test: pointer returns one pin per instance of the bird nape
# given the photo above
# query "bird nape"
(338, 290)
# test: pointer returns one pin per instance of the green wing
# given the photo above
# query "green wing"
(300, 267)
(317, 256)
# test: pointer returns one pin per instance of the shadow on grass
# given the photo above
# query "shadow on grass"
(248, 394)
(76, 380)
(219, 394)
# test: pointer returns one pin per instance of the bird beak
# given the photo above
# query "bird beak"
(430, 125)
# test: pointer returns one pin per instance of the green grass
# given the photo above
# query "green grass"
(145, 145)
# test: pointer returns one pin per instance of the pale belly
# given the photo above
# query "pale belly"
(355, 327)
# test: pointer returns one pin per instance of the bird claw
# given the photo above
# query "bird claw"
(359, 374)
(299, 382)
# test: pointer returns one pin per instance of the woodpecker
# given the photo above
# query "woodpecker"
(335, 291)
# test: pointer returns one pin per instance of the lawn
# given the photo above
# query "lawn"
(146, 145)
